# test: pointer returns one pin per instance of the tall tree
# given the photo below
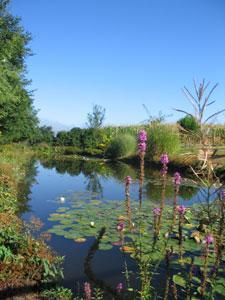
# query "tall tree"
(96, 118)
(18, 118)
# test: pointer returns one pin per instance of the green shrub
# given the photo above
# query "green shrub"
(189, 123)
(122, 146)
(162, 139)
(75, 136)
(94, 138)
(63, 139)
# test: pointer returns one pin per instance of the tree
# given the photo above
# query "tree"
(47, 134)
(75, 137)
(62, 138)
(96, 118)
(18, 120)
(200, 101)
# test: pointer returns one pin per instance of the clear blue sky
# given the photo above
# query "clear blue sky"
(121, 54)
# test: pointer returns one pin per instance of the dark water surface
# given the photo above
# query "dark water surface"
(55, 179)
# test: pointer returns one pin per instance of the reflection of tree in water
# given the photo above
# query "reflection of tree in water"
(120, 170)
(93, 184)
(187, 191)
(72, 167)
(153, 190)
(24, 186)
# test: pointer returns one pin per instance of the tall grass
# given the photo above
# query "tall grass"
(121, 146)
(162, 139)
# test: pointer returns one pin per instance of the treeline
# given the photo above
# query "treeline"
(88, 139)
(18, 118)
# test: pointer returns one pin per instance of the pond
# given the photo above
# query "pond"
(60, 186)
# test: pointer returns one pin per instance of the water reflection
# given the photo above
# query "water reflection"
(25, 185)
(81, 182)
(96, 175)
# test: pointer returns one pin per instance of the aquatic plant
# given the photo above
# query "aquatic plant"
(172, 241)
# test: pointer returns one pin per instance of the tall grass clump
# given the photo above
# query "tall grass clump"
(121, 146)
(163, 139)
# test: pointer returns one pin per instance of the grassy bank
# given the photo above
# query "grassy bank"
(26, 263)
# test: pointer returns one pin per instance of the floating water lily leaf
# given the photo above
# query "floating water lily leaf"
(62, 209)
(179, 280)
(105, 247)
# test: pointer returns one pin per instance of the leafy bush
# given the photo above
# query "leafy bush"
(162, 139)
(62, 138)
(121, 146)
(94, 138)
(75, 137)
(189, 123)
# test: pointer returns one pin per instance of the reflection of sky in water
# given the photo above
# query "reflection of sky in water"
(45, 200)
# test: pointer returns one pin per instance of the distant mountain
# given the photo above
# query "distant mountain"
(56, 126)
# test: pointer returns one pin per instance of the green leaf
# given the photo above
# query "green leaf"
(179, 280)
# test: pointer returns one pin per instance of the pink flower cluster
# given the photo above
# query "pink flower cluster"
(181, 209)
(142, 139)
(156, 211)
(209, 239)
(164, 159)
(177, 179)
(119, 287)
(142, 136)
(87, 291)
(128, 180)
(120, 226)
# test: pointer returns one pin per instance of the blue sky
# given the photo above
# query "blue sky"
(121, 54)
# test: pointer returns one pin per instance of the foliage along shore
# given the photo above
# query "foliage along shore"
(27, 264)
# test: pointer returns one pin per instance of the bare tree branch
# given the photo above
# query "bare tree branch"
(211, 102)
(196, 90)
(207, 85)
(210, 93)
(217, 113)
(189, 93)
(183, 111)
(191, 101)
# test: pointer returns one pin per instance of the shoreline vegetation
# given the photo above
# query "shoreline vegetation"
(27, 262)
(28, 266)
(16, 236)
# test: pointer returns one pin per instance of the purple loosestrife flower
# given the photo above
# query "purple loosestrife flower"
(177, 179)
(128, 180)
(164, 159)
(87, 291)
(120, 226)
(119, 287)
(181, 209)
(209, 239)
(142, 147)
(156, 211)
(142, 136)
(223, 194)
(142, 139)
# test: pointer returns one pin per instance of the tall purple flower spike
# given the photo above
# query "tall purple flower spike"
(142, 139)
(181, 209)
(156, 211)
(177, 179)
(164, 159)
(128, 180)
(142, 136)
(209, 239)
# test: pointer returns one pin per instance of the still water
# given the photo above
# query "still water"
(51, 180)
